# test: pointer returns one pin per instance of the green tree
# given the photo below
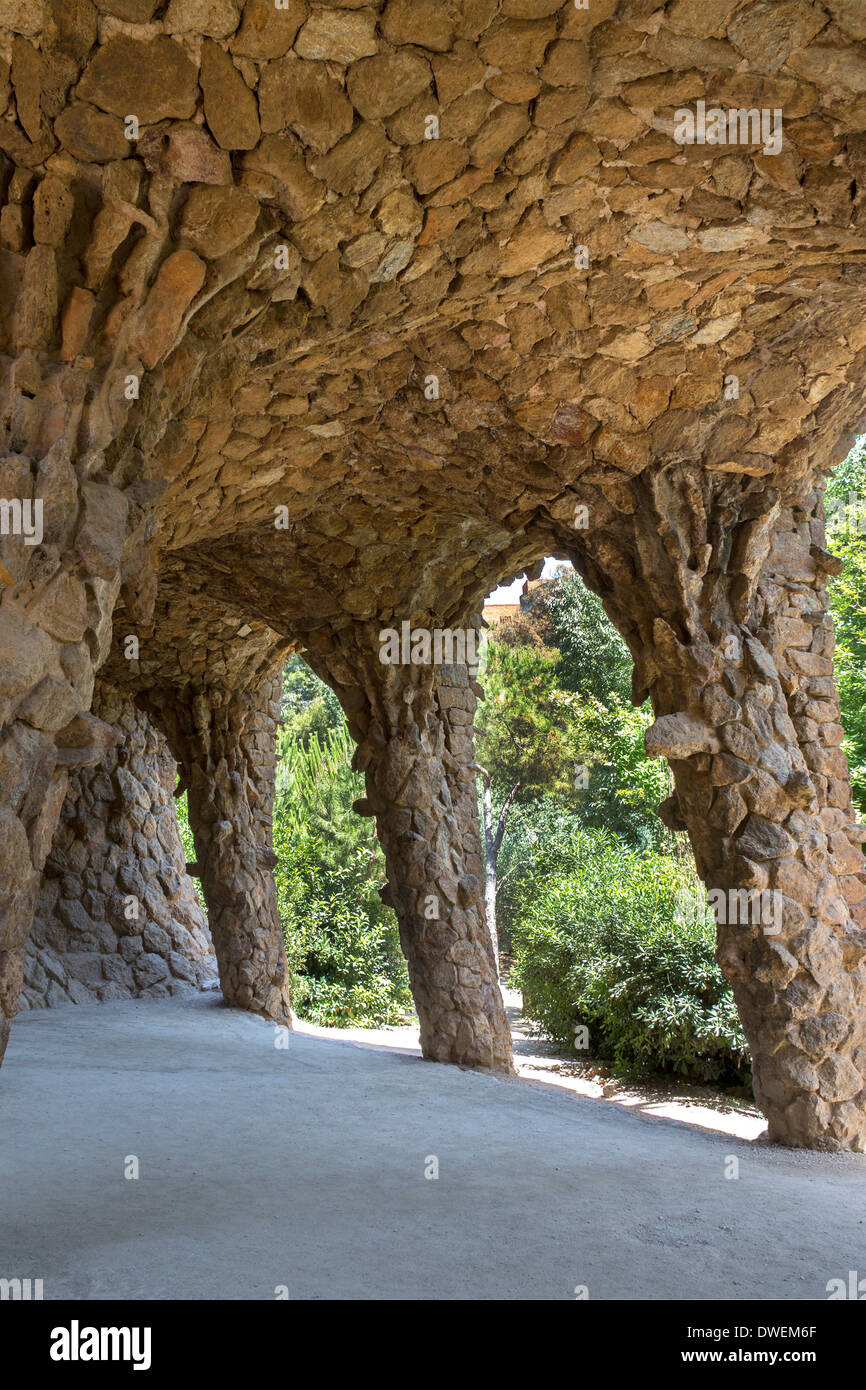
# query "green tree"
(524, 741)
(522, 731)
(308, 706)
(593, 659)
(623, 787)
(558, 725)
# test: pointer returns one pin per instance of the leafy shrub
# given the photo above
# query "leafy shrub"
(344, 954)
(529, 827)
(596, 943)
(342, 943)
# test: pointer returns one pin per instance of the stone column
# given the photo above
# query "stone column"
(32, 794)
(413, 725)
(728, 618)
(225, 743)
(69, 544)
(117, 915)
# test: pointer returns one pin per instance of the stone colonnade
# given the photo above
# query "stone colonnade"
(275, 345)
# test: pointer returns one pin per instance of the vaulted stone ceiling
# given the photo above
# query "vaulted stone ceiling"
(285, 260)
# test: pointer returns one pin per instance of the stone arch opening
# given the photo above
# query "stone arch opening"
(552, 642)
(342, 941)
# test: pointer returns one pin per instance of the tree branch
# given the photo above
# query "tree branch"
(503, 816)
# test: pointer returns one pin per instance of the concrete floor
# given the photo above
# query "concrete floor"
(261, 1167)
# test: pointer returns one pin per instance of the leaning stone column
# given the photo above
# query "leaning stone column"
(68, 546)
(413, 725)
(225, 744)
(117, 915)
(735, 647)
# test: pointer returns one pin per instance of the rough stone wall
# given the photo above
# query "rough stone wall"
(118, 916)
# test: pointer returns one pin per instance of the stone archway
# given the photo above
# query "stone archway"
(328, 316)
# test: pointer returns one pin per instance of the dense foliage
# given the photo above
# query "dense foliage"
(593, 660)
(587, 875)
(558, 717)
(846, 537)
(598, 943)
(524, 728)
(342, 942)
(308, 707)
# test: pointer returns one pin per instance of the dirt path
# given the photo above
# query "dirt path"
(305, 1167)
(537, 1060)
